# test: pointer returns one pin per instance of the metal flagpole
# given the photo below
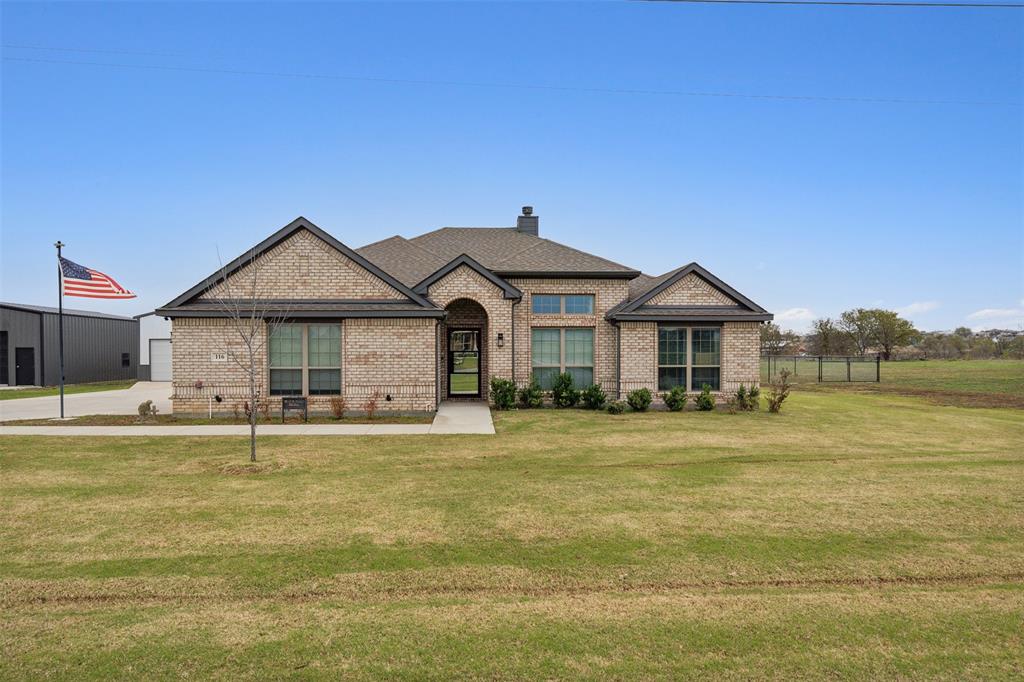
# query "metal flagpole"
(60, 322)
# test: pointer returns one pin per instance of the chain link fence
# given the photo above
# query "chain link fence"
(810, 369)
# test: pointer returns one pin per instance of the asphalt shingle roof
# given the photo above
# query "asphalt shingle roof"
(503, 250)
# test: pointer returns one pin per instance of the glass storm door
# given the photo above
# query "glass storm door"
(464, 362)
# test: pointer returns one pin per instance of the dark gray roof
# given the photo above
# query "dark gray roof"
(408, 263)
(506, 251)
(67, 311)
(700, 313)
(308, 308)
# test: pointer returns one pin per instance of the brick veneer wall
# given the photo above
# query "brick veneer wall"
(691, 290)
(466, 283)
(379, 356)
(741, 348)
(464, 313)
(305, 266)
(607, 294)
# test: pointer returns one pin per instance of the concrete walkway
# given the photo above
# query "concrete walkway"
(124, 401)
(450, 418)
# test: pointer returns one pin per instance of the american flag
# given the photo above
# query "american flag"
(88, 283)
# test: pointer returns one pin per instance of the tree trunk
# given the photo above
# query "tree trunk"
(254, 406)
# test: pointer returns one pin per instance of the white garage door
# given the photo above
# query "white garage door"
(160, 359)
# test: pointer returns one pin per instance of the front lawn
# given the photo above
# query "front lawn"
(853, 536)
(16, 393)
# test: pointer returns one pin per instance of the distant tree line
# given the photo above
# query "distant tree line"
(864, 331)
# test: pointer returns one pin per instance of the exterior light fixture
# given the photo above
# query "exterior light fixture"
(501, 339)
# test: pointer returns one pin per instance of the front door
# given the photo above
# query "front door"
(25, 366)
(464, 362)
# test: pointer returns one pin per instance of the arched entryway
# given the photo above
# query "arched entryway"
(464, 349)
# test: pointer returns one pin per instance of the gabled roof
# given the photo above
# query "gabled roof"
(507, 252)
(645, 288)
(463, 260)
(273, 240)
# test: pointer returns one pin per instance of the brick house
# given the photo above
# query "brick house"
(416, 321)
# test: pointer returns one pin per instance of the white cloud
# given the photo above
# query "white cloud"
(998, 318)
(796, 319)
(795, 315)
(918, 307)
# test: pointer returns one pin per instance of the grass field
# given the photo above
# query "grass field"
(969, 383)
(16, 393)
(853, 536)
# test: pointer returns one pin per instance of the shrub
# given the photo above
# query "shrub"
(144, 408)
(531, 396)
(563, 393)
(675, 399)
(705, 401)
(616, 407)
(338, 405)
(371, 405)
(503, 393)
(746, 401)
(778, 391)
(640, 399)
(593, 397)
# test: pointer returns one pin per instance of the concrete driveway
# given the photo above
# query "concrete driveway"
(81, 404)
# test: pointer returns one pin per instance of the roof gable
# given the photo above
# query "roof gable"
(280, 237)
(661, 284)
(510, 292)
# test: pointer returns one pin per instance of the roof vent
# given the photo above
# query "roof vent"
(528, 223)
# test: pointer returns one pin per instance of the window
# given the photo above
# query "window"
(554, 351)
(690, 364)
(706, 349)
(555, 304)
(671, 357)
(579, 305)
(324, 355)
(543, 304)
(126, 359)
(317, 371)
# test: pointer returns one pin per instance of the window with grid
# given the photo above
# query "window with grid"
(671, 357)
(554, 351)
(706, 349)
(324, 357)
(286, 359)
(556, 304)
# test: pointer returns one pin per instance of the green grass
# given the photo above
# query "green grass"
(853, 536)
(16, 393)
(969, 383)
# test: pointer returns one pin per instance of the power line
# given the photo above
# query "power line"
(853, 3)
(517, 86)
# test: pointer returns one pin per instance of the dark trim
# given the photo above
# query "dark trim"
(449, 366)
(273, 240)
(639, 317)
(618, 361)
(424, 286)
(514, 304)
(698, 270)
(569, 274)
(332, 314)
(42, 354)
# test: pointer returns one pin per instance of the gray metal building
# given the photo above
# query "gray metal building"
(97, 346)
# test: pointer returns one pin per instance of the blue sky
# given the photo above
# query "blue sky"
(150, 168)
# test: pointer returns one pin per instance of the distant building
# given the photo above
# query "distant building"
(97, 346)
(154, 347)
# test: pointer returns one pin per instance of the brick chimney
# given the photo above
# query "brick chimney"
(528, 223)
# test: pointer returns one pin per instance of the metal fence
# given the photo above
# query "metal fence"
(822, 368)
